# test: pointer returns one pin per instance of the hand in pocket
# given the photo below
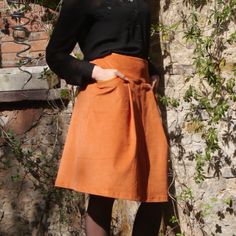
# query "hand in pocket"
(100, 74)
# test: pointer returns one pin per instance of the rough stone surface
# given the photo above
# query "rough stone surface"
(27, 206)
(209, 209)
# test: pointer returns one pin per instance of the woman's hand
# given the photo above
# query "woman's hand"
(155, 81)
(101, 74)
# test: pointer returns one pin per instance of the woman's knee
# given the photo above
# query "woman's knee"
(151, 210)
(100, 210)
(148, 219)
(100, 203)
(151, 206)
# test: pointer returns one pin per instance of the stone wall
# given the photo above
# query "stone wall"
(207, 208)
(33, 138)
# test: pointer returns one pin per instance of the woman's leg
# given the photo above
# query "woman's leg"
(148, 219)
(98, 217)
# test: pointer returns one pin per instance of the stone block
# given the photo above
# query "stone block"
(183, 69)
(40, 35)
(11, 59)
(11, 80)
(10, 47)
(35, 35)
(229, 172)
(38, 45)
(23, 120)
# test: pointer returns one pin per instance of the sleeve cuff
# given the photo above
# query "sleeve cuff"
(88, 70)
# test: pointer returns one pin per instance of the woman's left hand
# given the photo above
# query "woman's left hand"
(155, 81)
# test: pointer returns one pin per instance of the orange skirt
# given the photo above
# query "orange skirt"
(116, 146)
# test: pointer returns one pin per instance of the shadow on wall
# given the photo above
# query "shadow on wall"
(170, 211)
(197, 3)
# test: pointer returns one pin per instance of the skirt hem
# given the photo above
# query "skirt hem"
(159, 198)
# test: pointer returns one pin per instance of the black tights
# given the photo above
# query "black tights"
(98, 218)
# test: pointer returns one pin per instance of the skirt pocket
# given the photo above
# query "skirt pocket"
(112, 82)
(108, 120)
(110, 96)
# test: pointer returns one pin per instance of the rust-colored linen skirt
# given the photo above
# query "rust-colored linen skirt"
(116, 146)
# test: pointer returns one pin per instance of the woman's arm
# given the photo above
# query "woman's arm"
(67, 30)
(154, 73)
(152, 69)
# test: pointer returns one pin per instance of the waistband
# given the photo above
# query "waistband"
(131, 66)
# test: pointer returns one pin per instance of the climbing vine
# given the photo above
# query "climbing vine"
(210, 93)
(38, 166)
(208, 30)
(215, 93)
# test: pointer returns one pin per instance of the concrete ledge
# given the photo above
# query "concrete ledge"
(12, 79)
(34, 95)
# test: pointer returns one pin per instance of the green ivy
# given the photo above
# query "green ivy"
(168, 101)
(209, 92)
(218, 92)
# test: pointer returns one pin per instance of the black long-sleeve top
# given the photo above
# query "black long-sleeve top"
(100, 27)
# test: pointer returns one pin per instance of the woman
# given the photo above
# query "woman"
(115, 146)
